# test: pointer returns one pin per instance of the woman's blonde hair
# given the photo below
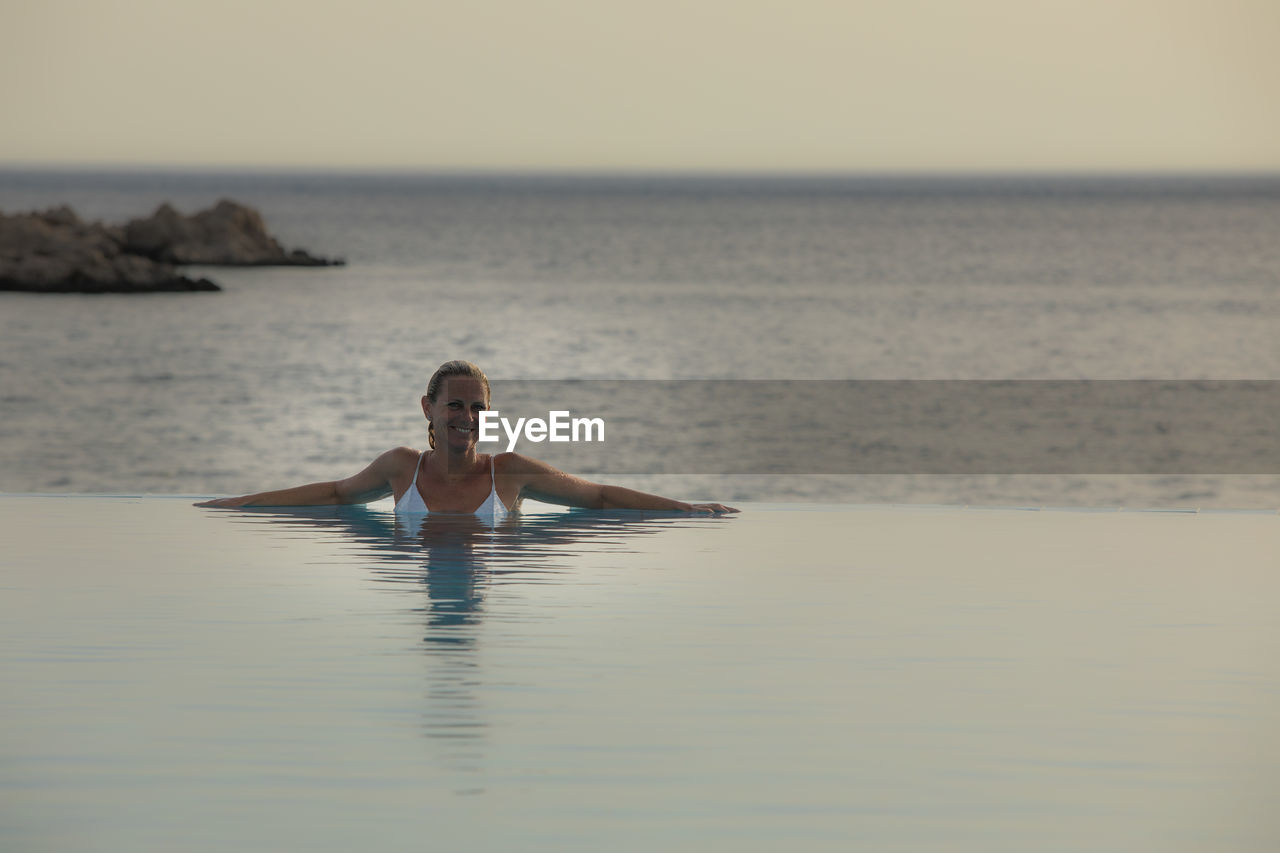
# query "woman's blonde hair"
(457, 367)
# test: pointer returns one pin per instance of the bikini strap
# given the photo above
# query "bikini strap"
(416, 468)
(493, 481)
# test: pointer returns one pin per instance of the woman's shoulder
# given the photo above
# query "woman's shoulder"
(515, 463)
(519, 465)
(398, 457)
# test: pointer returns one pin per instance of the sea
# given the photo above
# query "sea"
(292, 375)
(908, 657)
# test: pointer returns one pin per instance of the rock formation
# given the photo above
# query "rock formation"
(56, 252)
(228, 234)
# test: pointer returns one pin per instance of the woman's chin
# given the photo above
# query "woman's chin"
(461, 442)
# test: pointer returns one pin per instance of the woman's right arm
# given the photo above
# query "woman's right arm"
(372, 483)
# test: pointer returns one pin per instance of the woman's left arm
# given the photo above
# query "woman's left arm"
(540, 481)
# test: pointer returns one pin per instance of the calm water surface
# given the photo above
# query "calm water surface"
(795, 677)
(298, 375)
(809, 677)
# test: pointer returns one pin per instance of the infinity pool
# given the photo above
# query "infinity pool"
(791, 678)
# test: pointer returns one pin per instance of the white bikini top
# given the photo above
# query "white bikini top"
(411, 502)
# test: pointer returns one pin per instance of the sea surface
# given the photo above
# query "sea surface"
(818, 672)
(293, 375)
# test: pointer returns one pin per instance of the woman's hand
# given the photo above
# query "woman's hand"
(714, 509)
(371, 484)
(228, 503)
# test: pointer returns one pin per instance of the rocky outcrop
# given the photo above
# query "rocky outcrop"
(55, 252)
(228, 234)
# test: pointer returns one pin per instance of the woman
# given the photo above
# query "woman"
(452, 477)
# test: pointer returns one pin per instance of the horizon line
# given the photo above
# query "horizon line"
(629, 173)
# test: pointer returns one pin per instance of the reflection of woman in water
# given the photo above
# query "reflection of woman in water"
(452, 477)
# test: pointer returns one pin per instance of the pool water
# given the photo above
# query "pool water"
(793, 677)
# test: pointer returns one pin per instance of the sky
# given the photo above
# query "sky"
(658, 85)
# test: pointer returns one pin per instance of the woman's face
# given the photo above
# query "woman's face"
(455, 414)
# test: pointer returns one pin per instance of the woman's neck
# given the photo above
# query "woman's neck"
(453, 464)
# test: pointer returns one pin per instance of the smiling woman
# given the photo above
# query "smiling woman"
(452, 477)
